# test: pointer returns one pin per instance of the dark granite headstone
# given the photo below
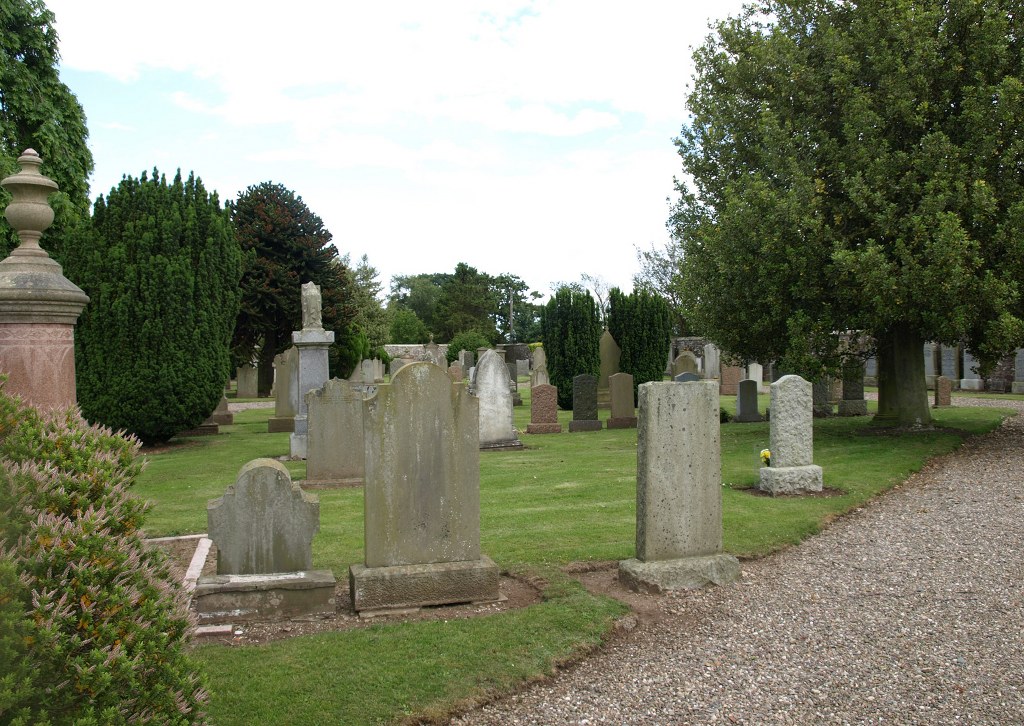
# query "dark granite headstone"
(584, 404)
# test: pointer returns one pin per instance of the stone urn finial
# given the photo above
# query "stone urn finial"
(28, 212)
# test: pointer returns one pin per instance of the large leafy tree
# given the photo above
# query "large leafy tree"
(285, 245)
(161, 267)
(420, 294)
(571, 333)
(857, 167)
(517, 315)
(467, 302)
(641, 324)
(38, 111)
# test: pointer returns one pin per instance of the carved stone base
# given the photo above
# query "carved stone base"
(790, 479)
(509, 445)
(229, 598)
(586, 425)
(622, 423)
(853, 408)
(405, 586)
(544, 428)
(687, 573)
(284, 424)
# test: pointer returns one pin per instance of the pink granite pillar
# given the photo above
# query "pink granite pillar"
(38, 305)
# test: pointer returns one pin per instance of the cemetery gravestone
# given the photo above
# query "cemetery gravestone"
(1018, 372)
(544, 410)
(853, 403)
(712, 361)
(822, 398)
(263, 527)
(539, 372)
(930, 372)
(943, 392)
(247, 377)
(492, 391)
(971, 380)
(335, 437)
(610, 354)
(422, 496)
(949, 358)
(678, 491)
(311, 344)
(623, 414)
(285, 384)
(746, 402)
(791, 440)
(685, 362)
(731, 376)
(466, 359)
(755, 372)
(584, 404)
(455, 373)
(221, 415)
(522, 368)
(435, 355)
(871, 372)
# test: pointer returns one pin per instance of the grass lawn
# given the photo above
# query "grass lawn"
(563, 498)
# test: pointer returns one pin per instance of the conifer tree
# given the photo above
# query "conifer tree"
(641, 324)
(161, 267)
(571, 332)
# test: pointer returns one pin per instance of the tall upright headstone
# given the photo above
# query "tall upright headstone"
(943, 392)
(971, 381)
(539, 369)
(623, 413)
(821, 397)
(334, 449)
(853, 403)
(496, 428)
(930, 364)
(610, 354)
(1018, 372)
(678, 491)
(584, 404)
(246, 377)
(544, 410)
(422, 496)
(746, 402)
(263, 527)
(949, 356)
(730, 380)
(755, 372)
(311, 344)
(466, 359)
(712, 361)
(791, 440)
(38, 305)
(871, 371)
(285, 402)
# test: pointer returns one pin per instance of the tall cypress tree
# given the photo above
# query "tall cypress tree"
(641, 324)
(161, 266)
(571, 332)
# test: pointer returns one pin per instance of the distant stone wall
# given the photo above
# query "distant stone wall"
(415, 351)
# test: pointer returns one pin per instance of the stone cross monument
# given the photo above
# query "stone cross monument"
(38, 305)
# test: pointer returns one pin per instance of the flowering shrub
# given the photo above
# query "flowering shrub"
(91, 622)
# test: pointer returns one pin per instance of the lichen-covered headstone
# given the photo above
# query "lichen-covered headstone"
(791, 440)
(678, 491)
(495, 396)
(335, 438)
(685, 362)
(285, 400)
(422, 496)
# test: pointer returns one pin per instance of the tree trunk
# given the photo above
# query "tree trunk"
(902, 390)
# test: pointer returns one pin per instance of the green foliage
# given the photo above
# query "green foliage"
(661, 274)
(38, 111)
(406, 327)
(285, 246)
(370, 315)
(470, 340)
(856, 166)
(161, 267)
(420, 294)
(93, 623)
(641, 324)
(571, 334)
(467, 302)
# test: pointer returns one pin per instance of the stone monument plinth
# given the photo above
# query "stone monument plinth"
(311, 362)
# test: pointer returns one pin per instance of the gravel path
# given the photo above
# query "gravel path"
(908, 611)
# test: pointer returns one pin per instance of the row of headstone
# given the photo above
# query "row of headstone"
(368, 372)
(957, 365)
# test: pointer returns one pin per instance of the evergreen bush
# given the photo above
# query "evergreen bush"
(641, 324)
(92, 625)
(571, 334)
(161, 267)
(469, 340)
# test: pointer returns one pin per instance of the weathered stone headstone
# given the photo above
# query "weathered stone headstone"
(311, 344)
(791, 440)
(522, 367)
(435, 355)
(584, 404)
(285, 381)
(396, 365)
(539, 378)
(247, 377)
(971, 380)
(610, 353)
(456, 373)
(496, 428)
(712, 361)
(422, 496)
(686, 378)
(853, 403)
(335, 438)
(221, 415)
(466, 359)
(540, 359)
(731, 376)
(263, 527)
(821, 396)
(746, 402)
(678, 491)
(755, 372)
(1018, 372)
(949, 356)
(943, 392)
(871, 371)
(623, 414)
(544, 410)
(685, 362)
(930, 368)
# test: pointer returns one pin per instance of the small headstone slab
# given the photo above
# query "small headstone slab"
(334, 450)
(584, 404)
(544, 410)
(746, 402)
(623, 413)
(686, 378)
(264, 523)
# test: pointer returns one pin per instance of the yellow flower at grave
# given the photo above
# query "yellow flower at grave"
(766, 457)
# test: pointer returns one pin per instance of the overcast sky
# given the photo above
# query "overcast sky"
(525, 137)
